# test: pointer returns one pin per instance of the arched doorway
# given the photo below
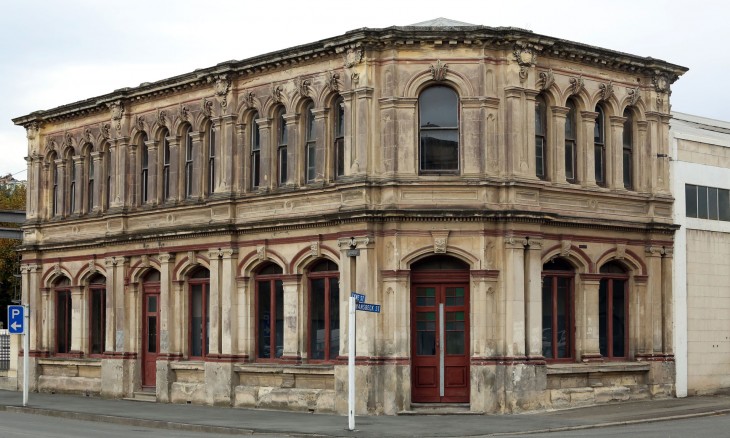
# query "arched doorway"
(440, 330)
(150, 328)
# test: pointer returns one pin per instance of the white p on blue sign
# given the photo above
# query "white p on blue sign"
(16, 324)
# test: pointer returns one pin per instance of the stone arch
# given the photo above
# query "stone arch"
(610, 106)
(183, 267)
(141, 268)
(247, 105)
(573, 254)
(54, 273)
(426, 251)
(631, 262)
(424, 79)
(582, 100)
(305, 257)
(84, 274)
(252, 261)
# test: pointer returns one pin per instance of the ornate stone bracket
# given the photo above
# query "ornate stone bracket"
(184, 112)
(526, 58)
(162, 117)
(248, 99)
(303, 86)
(546, 80)
(117, 112)
(634, 95)
(333, 81)
(277, 93)
(576, 85)
(438, 71)
(261, 252)
(207, 107)
(32, 129)
(440, 241)
(352, 57)
(606, 90)
(314, 249)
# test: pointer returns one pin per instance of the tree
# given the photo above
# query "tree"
(11, 198)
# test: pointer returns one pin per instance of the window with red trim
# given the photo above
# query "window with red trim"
(269, 313)
(557, 310)
(324, 311)
(97, 314)
(62, 291)
(199, 284)
(613, 310)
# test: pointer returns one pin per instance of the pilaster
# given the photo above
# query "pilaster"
(557, 154)
(615, 153)
(514, 300)
(586, 157)
(95, 193)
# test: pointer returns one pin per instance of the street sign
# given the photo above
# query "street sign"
(16, 323)
(360, 298)
(368, 307)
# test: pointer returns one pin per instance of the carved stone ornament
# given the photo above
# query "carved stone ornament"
(314, 249)
(261, 252)
(620, 251)
(87, 134)
(57, 269)
(222, 84)
(661, 83)
(606, 90)
(546, 80)
(139, 122)
(525, 58)
(184, 112)
(352, 57)
(67, 139)
(117, 110)
(191, 258)
(145, 261)
(248, 99)
(92, 267)
(207, 107)
(162, 117)
(577, 85)
(440, 241)
(333, 81)
(355, 78)
(31, 130)
(565, 248)
(438, 70)
(105, 128)
(303, 86)
(634, 95)
(277, 92)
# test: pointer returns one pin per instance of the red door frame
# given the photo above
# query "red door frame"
(149, 358)
(441, 279)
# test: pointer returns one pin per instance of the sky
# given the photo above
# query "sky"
(57, 52)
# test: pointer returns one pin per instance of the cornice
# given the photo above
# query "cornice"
(350, 47)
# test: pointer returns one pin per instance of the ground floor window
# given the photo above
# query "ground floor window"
(613, 312)
(269, 313)
(557, 310)
(63, 316)
(199, 312)
(97, 315)
(324, 311)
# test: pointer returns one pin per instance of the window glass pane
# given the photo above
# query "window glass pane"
(282, 128)
(152, 303)
(98, 311)
(618, 319)
(263, 313)
(570, 123)
(603, 318)
(702, 202)
(627, 169)
(334, 317)
(723, 201)
(279, 318)
(340, 119)
(540, 156)
(712, 209)
(438, 107)
(598, 161)
(454, 296)
(547, 317)
(196, 320)
(570, 160)
(317, 319)
(426, 333)
(425, 296)
(562, 308)
(690, 199)
(440, 149)
(282, 165)
(455, 333)
(152, 334)
(311, 160)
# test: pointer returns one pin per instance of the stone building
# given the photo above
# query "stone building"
(506, 195)
(700, 149)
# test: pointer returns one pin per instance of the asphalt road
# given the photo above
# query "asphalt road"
(39, 426)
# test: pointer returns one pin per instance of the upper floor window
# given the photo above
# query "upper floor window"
(54, 182)
(90, 188)
(211, 158)
(339, 136)
(599, 147)
(255, 152)
(324, 311)
(108, 173)
(707, 202)
(188, 136)
(144, 169)
(438, 113)
(71, 166)
(310, 148)
(165, 166)
(570, 142)
(282, 140)
(540, 137)
(628, 149)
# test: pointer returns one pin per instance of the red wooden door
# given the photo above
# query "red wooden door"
(150, 335)
(440, 343)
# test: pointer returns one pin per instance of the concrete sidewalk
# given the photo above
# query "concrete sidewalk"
(282, 423)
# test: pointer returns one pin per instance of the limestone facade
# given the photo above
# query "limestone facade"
(503, 195)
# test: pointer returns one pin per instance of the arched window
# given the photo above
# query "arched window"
(269, 313)
(310, 148)
(557, 310)
(613, 310)
(97, 314)
(255, 152)
(144, 156)
(199, 283)
(570, 142)
(599, 147)
(188, 138)
(540, 138)
(108, 176)
(211, 158)
(339, 136)
(71, 172)
(165, 166)
(628, 150)
(62, 292)
(90, 187)
(54, 182)
(282, 140)
(324, 311)
(438, 112)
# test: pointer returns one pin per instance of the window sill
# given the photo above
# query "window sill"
(285, 369)
(606, 367)
(70, 361)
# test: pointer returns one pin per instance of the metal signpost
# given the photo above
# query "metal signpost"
(18, 321)
(357, 302)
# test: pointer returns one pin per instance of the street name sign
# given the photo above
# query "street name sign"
(360, 298)
(16, 322)
(368, 307)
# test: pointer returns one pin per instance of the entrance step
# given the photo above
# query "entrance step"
(143, 396)
(439, 409)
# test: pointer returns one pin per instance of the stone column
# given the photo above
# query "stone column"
(78, 322)
(244, 339)
(484, 342)
(214, 305)
(351, 152)
(227, 154)
(175, 180)
(652, 136)
(132, 179)
(654, 312)
(78, 163)
(61, 194)
(492, 137)
(587, 324)
(167, 308)
(586, 172)
(292, 346)
(152, 172)
(615, 154)
(667, 304)
(533, 299)
(528, 131)
(642, 161)
(362, 126)
(229, 302)
(515, 144)
(322, 158)
(199, 163)
(473, 151)
(268, 154)
(35, 186)
(120, 306)
(98, 175)
(640, 326)
(242, 160)
(115, 200)
(110, 328)
(557, 154)
(47, 315)
(295, 155)
(514, 302)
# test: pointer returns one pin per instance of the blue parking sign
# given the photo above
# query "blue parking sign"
(16, 323)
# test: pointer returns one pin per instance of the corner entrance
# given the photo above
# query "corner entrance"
(150, 329)
(440, 331)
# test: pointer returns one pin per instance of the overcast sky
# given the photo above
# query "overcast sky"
(56, 52)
